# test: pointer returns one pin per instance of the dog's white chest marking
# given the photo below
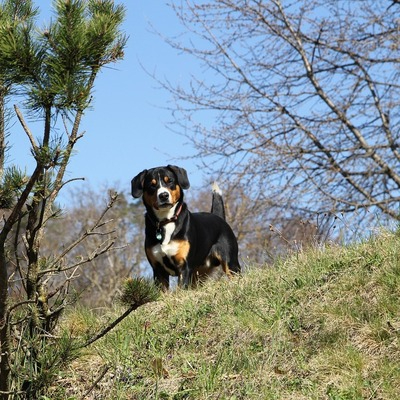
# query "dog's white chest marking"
(161, 250)
(168, 231)
(167, 248)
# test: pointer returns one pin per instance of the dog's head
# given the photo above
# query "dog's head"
(160, 187)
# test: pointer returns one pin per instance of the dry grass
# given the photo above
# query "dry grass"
(323, 324)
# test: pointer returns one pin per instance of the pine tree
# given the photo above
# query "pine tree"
(54, 71)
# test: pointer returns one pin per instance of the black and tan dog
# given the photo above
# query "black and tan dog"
(178, 242)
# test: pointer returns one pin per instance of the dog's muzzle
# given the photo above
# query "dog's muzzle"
(163, 199)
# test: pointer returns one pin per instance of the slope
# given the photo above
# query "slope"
(323, 324)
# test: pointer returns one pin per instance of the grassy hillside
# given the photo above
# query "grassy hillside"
(324, 324)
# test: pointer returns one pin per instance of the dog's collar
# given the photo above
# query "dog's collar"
(160, 224)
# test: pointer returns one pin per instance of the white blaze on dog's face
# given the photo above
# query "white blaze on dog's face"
(162, 192)
(164, 197)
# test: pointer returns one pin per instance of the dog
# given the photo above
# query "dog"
(178, 242)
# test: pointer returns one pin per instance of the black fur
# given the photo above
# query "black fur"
(198, 242)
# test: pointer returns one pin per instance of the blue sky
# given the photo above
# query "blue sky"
(126, 127)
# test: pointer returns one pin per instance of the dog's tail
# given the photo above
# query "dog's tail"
(217, 206)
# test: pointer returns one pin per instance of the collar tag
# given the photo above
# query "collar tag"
(159, 224)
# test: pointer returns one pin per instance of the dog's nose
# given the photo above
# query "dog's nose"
(164, 196)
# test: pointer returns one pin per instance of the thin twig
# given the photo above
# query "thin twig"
(98, 379)
(87, 233)
(12, 308)
(98, 252)
(26, 129)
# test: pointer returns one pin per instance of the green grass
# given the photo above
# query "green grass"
(323, 324)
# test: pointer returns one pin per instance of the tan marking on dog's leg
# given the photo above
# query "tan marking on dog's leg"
(226, 269)
(182, 253)
(224, 265)
(180, 257)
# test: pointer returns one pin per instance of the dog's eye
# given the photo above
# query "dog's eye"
(153, 183)
(168, 180)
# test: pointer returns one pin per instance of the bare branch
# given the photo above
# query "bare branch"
(305, 98)
(26, 129)
(89, 232)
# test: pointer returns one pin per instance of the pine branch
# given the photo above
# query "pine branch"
(136, 292)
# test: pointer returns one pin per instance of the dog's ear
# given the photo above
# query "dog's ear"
(137, 184)
(181, 174)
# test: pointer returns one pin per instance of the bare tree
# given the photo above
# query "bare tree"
(305, 97)
(263, 240)
(99, 282)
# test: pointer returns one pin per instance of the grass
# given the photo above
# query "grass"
(323, 324)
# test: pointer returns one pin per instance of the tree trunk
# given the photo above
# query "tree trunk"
(4, 331)
(2, 132)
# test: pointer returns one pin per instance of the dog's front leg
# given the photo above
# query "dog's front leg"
(161, 277)
(185, 278)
